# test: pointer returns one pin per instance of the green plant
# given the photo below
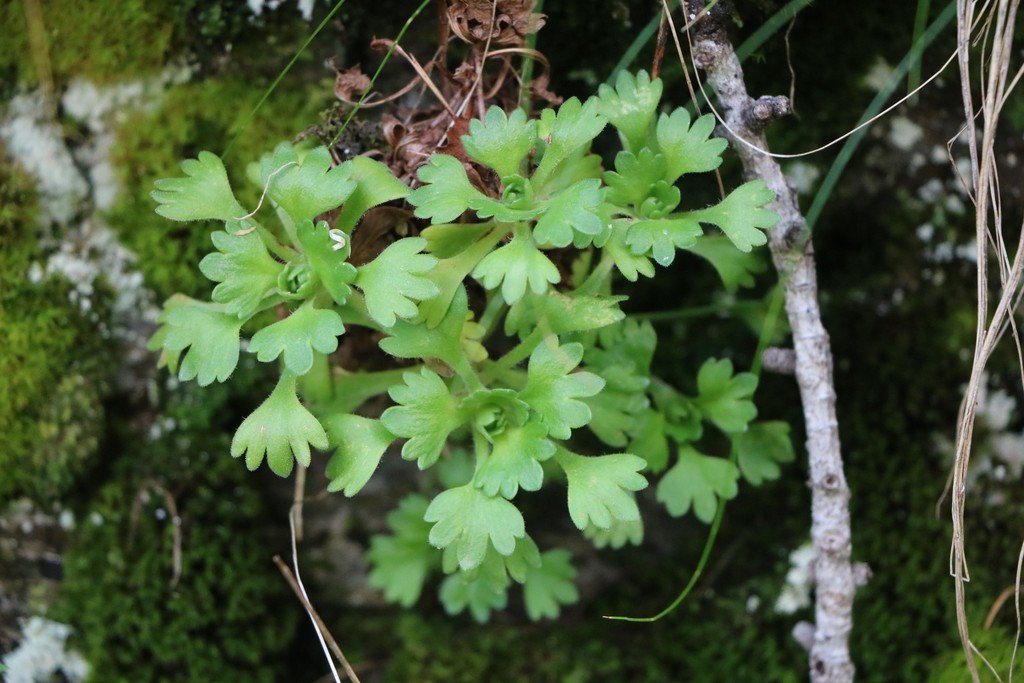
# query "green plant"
(542, 228)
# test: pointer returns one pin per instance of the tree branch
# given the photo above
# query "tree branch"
(793, 255)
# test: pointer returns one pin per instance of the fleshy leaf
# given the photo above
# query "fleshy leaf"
(360, 443)
(451, 239)
(629, 264)
(426, 414)
(420, 341)
(550, 585)
(699, 481)
(481, 595)
(525, 557)
(572, 211)
(450, 272)
(203, 193)
(736, 268)
(649, 440)
(634, 176)
(563, 313)
(209, 333)
(615, 412)
(307, 187)
(566, 132)
(601, 487)
(402, 561)
(331, 265)
(630, 343)
(515, 461)
(446, 192)
(725, 399)
(491, 411)
(552, 387)
(516, 265)
(742, 216)
(683, 421)
(616, 408)
(306, 330)
(375, 185)
(280, 428)
(500, 141)
(688, 149)
(617, 535)
(472, 521)
(244, 269)
(631, 106)
(581, 164)
(394, 281)
(761, 449)
(661, 237)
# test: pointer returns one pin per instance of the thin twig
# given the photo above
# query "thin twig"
(318, 624)
(659, 47)
(172, 511)
(298, 497)
(793, 255)
(331, 642)
(1000, 600)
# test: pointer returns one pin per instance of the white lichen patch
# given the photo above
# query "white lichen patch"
(42, 655)
(36, 142)
(995, 406)
(257, 7)
(904, 134)
(77, 182)
(803, 176)
(796, 592)
(879, 75)
(91, 256)
(997, 449)
(932, 191)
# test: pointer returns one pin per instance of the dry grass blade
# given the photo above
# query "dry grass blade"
(322, 633)
(997, 21)
(331, 642)
(175, 517)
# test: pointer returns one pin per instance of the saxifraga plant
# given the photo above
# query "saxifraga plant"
(499, 427)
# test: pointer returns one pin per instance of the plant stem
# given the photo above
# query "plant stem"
(519, 353)
(526, 80)
(599, 276)
(316, 385)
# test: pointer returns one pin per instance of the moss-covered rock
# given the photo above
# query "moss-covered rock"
(50, 369)
(107, 41)
(98, 40)
(230, 616)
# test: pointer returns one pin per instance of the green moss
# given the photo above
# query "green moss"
(997, 646)
(230, 617)
(50, 411)
(706, 640)
(97, 40)
(205, 115)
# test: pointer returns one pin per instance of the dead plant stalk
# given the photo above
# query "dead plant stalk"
(997, 20)
(793, 255)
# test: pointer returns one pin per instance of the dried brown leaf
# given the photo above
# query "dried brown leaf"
(350, 84)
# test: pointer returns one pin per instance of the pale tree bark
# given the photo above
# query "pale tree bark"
(793, 254)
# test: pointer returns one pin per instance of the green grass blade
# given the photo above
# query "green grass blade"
(846, 153)
(284, 72)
